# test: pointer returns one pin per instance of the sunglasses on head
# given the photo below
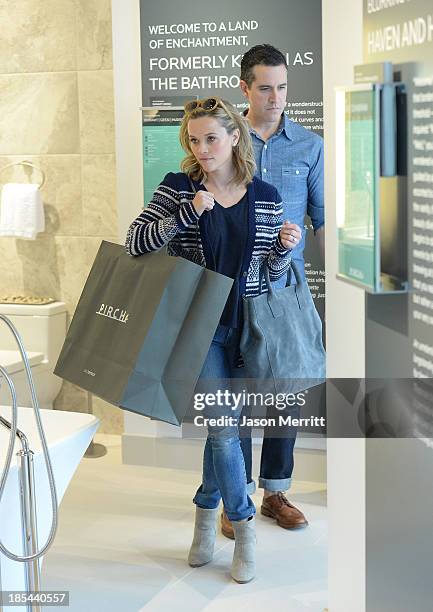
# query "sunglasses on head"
(208, 104)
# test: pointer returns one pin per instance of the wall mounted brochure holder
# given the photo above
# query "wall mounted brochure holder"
(371, 194)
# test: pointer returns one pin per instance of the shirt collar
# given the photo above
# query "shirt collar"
(285, 126)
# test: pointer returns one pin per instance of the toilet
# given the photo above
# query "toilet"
(43, 330)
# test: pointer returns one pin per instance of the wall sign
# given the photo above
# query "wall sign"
(402, 31)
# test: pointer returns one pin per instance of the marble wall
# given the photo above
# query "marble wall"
(57, 111)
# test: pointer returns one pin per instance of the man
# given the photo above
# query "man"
(291, 158)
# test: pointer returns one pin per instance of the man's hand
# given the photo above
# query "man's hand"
(290, 235)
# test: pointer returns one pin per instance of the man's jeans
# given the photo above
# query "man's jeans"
(276, 464)
(224, 473)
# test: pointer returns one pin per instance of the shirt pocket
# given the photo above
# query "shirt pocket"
(294, 181)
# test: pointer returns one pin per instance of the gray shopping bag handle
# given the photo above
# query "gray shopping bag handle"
(274, 300)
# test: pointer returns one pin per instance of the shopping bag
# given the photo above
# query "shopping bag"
(142, 329)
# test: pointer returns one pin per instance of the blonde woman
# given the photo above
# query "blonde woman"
(217, 214)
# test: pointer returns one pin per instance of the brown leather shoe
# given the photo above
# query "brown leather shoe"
(226, 526)
(287, 516)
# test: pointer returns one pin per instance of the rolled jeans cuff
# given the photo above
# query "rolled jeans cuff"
(251, 487)
(275, 484)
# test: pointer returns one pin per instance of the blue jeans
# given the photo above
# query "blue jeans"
(276, 463)
(224, 473)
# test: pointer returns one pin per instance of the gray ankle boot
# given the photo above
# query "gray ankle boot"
(244, 556)
(201, 551)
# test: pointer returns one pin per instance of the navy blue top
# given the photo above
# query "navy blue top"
(224, 234)
(170, 219)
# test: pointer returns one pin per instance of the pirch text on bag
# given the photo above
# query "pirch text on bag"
(112, 312)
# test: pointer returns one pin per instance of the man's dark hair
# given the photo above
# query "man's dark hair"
(265, 55)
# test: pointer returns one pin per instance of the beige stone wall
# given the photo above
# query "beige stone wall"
(57, 111)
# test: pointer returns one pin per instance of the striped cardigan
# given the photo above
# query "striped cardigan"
(170, 219)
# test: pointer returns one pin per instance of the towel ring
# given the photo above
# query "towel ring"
(26, 163)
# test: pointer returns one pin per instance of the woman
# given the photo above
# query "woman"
(217, 214)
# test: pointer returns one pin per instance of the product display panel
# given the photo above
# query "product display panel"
(357, 179)
(162, 152)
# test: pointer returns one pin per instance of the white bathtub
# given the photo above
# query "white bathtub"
(68, 435)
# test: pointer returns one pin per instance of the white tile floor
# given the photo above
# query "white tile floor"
(124, 535)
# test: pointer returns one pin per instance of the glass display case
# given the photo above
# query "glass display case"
(369, 191)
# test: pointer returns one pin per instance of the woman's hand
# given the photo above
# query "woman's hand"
(290, 235)
(203, 200)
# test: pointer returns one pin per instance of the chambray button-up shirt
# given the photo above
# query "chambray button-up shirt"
(292, 161)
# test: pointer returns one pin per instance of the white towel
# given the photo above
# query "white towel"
(22, 211)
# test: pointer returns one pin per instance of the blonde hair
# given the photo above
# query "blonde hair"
(243, 153)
